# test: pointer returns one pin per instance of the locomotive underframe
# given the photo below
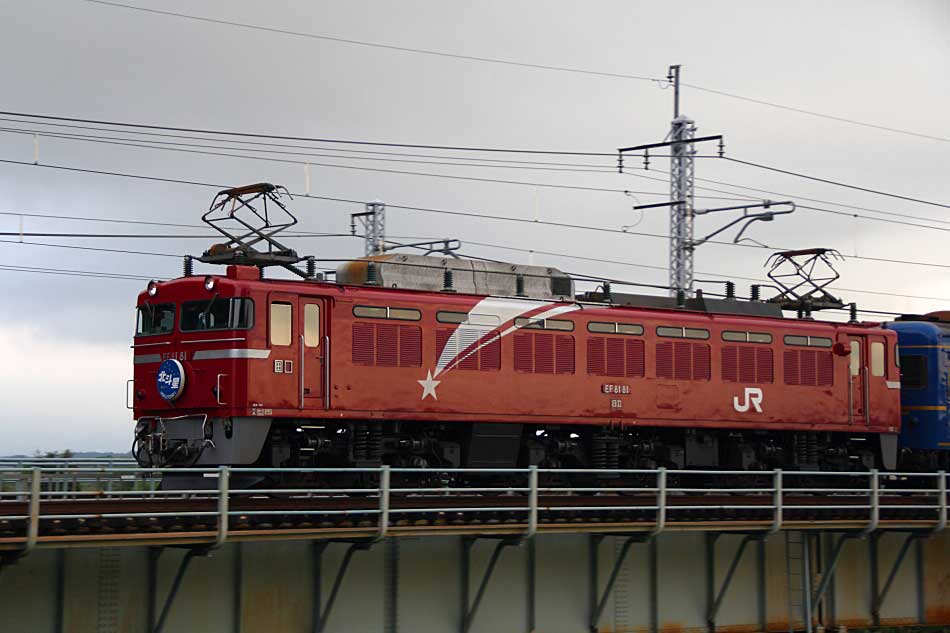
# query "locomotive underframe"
(316, 443)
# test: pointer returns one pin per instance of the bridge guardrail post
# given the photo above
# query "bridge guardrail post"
(224, 481)
(384, 491)
(875, 514)
(660, 502)
(33, 526)
(942, 504)
(532, 502)
(777, 500)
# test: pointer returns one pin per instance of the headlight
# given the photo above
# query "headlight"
(152, 288)
(209, 283)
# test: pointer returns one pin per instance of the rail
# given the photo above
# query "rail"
(97, 500)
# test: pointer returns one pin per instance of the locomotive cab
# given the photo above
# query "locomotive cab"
(214, 358)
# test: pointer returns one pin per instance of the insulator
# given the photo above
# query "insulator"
(755, 292)
(730, 290)
(853, 313)
(519, 286)
(680, 298)
(608, 298)
(448, 280)
(311, 267)
(372, 274)
(188, 266)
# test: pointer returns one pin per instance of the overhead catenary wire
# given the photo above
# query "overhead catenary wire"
(734, 196)
(662, 82)
(452, 212)
(833, 182)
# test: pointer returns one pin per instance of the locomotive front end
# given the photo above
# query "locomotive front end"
(194, 337)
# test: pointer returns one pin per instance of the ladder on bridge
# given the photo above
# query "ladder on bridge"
(798, 579)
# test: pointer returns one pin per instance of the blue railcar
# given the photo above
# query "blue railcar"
(924, 356)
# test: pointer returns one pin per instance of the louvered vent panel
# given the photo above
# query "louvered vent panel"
(790, 367)
(544, 353)
(702, 367)
(596, 356)
(490, 354)
(468, 354)
(826, 369)
(636, 363)
(442, 338)
(730, 363)
(524, 352)
(747, 364)
(664, 360)
(763, 365)
(387, 345)
(410, 346)
(807, 359)
(564, 354)
(364, 335)
(682, 360)
(615, 357)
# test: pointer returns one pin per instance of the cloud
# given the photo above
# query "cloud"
(57, 392)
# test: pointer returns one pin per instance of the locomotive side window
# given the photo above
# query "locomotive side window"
(747, 337)
(468, 318)
(380, 312)
(877, 358)
(281, 323)
(157, 319)
(545, 324)
(615, 328)
(913, 371)
(682, 332)
(311, 325)
(807, 341)
(217, 314)
(855, 358)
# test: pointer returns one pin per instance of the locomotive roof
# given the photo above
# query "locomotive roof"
(249, 278)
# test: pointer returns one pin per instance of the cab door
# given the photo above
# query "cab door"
(313, 342)
(858, 412)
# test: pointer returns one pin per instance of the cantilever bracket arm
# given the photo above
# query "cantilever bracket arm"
(470, 609)
(599, 600)
(747, 217)
(716, 598)
(159, 625)
(322, 613)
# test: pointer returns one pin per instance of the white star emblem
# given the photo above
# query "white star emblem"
(428, 386)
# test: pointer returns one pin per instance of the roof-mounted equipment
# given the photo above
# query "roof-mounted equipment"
(250, 217)
(803, 277)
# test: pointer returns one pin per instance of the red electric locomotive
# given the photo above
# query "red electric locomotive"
(430, 362)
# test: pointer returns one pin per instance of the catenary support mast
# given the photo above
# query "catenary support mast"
(681, 194)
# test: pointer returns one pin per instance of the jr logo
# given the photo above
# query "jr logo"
(753, 398)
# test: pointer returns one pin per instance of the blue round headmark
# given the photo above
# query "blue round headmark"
(171, 379)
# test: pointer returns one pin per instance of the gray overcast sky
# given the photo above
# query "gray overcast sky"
(64, 340)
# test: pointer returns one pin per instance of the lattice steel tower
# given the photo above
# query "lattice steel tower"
(373, 222)
(681, 194)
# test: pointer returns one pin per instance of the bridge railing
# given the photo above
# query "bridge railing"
(39, 501)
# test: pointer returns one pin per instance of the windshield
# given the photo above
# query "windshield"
(157, 319)
(217, 314)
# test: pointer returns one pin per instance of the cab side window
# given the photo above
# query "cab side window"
(281, 323)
